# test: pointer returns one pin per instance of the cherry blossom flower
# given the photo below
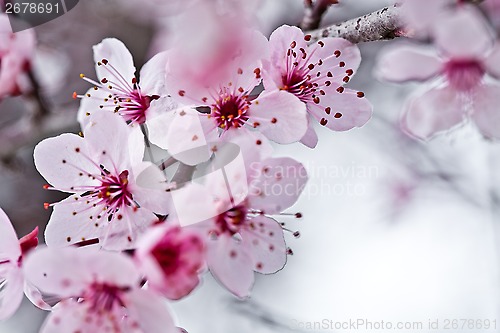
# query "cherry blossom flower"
(236, 213)
(421, 15)
(171, 258)
(316, 75)
(117, 88)
(16, 53)
(99, 291)
(223, 85)
(12, 254)
(467, 54)
(114, 193)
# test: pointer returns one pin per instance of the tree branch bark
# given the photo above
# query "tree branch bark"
(384, 24)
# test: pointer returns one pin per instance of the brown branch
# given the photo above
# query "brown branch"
(313, 13)
(383, 24)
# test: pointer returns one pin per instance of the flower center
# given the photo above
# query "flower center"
(464, 75)
(104, 297)
(124, 97)
(134, 106)
(167, 256)
(113, 191)
(230, 111)
(231, 220)
(297, 83)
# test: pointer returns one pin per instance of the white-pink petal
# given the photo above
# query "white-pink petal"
(341, 111)
(279, 185)
(231, 265)
(266, 244)
(486, 114)
(150, 312)
(118, 56)
(66, 162)
(408, 63)
(82, 267)
(281, 116)
(11, 293)
(435, 111)
(463, 33)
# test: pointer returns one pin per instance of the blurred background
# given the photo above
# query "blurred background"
(394, 230)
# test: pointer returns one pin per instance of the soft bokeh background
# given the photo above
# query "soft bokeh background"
(393, 229)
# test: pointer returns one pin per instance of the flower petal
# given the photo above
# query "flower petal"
(231, 265)
(9, 244)
(281, 116)
(266, 245)
(152, 75)
(65, 162)
(336, 55)
(435, 111)
(492, 63)
(150, 188)
(486, 113)
(11, 293)
(408, 63)
(82, 267)
(190, 136)
(278, 185)
(310, 139)
(73, 316)
(108, 136)
(119, 57)
(463, 33)
(150, 312)
(341, 111)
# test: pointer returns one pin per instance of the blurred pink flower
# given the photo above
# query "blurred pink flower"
(493, 11)
(114, 193)
(224, 83)
(467, 54)
(316, 75)
(421, 15)
(243, 236)
(100, 292)
(12, 283)
(117, 88)
(16, 53)
(171, 258)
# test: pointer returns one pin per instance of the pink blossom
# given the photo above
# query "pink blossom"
(114, 193)
(316, 75)
(421, 15)
(239, 211)
(118, 90)
(223, 83)
(171, 258)
(12, 254)
(493, 11)
(16, 53)
(100, 292)
(466, 55)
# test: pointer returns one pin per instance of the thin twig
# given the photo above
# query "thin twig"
(313, 13)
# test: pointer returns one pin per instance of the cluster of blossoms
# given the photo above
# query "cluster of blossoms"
(463, 69)
(129, 236)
